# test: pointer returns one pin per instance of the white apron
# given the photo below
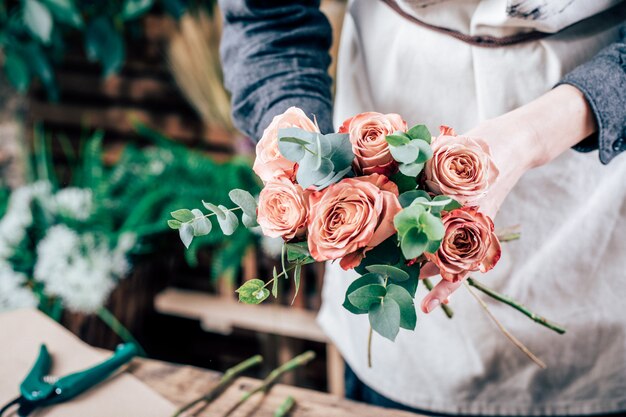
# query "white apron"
(570, 264)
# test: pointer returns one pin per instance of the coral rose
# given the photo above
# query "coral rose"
(461, 167)
(469, 244)
(282, 210)
(351, 217)
(367, 135)
(269, 162)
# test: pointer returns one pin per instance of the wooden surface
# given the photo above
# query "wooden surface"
(181, 384)
(222, 315)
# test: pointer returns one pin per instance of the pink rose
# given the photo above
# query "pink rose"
(282, 210)
(351, 217)
(367, 136)
(461, 167)
(469, 244)
(269, 162)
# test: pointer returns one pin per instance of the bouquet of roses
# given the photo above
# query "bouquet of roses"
(391, 202)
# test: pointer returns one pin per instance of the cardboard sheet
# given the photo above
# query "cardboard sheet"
(122, 395)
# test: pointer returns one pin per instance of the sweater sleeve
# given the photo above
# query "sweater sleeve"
(602, 80)
(275, 55)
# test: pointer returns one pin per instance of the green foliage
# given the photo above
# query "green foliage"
(253, 292)
(323, 159)
(411, 149)
(34, 33)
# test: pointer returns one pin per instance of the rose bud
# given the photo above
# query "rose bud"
(367, 135)
(351, 217)
(461, 167)
(469, 244)
(269, 162)
(282, 209)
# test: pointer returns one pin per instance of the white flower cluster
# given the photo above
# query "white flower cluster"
(13, 293)
(80, 269)
(19, 217)
(74, 203)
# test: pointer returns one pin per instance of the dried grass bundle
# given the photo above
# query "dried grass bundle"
(193, 57)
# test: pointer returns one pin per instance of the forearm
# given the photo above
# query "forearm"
(275, 55)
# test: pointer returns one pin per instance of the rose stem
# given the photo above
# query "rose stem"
(508, 234)
(369, 347)
(516, 305)
(274, 376)
(286, 407)
(446, 309)
(228, 378)
(504, 331)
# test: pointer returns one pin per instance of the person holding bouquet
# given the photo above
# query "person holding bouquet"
(542, 83)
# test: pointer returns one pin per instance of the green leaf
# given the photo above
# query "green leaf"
(39, 64)
(248, 221)
(403, 182)
(385, 318)
(433, 246)
(298, 253)
(291, 143)
(221, 214)
(387, 253)
(174, 224)
(340, 153)
(253, 292)
(186, 234)
(363, 297)
(395, 274)
(38, 20)
(297, 273)
(135, 8)
(201, 225)
(176, 8)
(229, 222)
(17, 71)
(405, 154)
(420, 132)
(183, 215)
(65, 11)
(364, 280)
(104, 44)
(407, 219)
(245, 200)
(432, 226)
(275, 283)
(408, 316)
(397, 139)
(453, 205)
(410, 284)
(411, 170)
(425, 151)
(408, 197)
(413, 243)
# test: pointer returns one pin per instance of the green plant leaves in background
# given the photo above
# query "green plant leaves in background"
(65, 11)
(38, 20)
(132, 9)
(17, 71)
(104, 44)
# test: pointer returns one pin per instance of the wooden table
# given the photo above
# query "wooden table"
(181, 384)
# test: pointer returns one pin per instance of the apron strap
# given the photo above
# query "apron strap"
(482, 41)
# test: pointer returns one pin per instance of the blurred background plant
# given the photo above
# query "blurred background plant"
(67, 247)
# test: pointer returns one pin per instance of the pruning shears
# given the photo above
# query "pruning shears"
(40, 390)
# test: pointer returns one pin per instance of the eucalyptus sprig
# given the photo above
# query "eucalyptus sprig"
(411, 149)
(193, 223)
(322, 159)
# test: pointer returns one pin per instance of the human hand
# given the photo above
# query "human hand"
(517, 145)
